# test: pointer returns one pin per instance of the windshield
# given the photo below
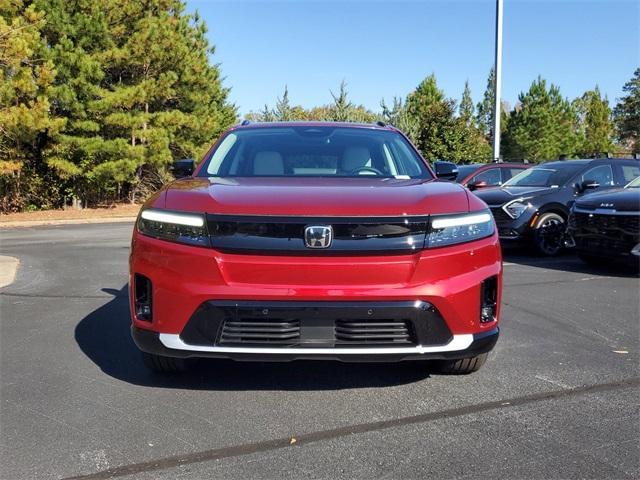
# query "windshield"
(545, 176)
(635, 183)
(311, 151)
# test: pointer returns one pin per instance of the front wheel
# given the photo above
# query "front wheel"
(162, 364)
(462, 366)
(548, 235)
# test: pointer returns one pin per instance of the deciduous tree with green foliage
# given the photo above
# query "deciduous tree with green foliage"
(627, 113)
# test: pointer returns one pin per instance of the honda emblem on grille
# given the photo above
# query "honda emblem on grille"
(318, 236)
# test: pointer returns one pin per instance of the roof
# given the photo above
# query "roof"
(375, 126)
(584, 161)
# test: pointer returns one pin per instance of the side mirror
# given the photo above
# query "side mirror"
(445, 170)
(476, 185)
(587, 185)
(183, 168)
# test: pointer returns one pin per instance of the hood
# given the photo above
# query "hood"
(501, 195)
(620, 199)
(315, 196)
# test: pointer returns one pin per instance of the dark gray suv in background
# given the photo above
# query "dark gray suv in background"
(534, 205)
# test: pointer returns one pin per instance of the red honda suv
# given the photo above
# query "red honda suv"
(315, 241)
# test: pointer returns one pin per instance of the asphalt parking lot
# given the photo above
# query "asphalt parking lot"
(558, 398)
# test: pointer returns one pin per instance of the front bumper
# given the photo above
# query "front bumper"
(512, 229)
(606, 234)
(460, 346)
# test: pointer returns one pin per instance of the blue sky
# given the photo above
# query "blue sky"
(385, 48)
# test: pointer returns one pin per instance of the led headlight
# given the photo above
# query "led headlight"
(452, 229)
(515, 208)
(189, 228)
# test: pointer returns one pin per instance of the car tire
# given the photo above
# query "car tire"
(462, 366)
(162, 364)
(548, 234)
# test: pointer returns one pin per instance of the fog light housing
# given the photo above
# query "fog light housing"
(142, 296)
(489, 300)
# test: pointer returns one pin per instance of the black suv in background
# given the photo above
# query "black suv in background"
(534, 205)
(605, 225)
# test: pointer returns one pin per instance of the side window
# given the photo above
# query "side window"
(490, 177)
(629, 172)
(602, 174)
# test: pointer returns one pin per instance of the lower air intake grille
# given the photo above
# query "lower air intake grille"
(373, 332)
(260, 331)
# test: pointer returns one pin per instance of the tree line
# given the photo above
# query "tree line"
(98, 98)
(543, 125)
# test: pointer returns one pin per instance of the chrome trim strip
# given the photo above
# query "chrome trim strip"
(604, 211)
(458, 342)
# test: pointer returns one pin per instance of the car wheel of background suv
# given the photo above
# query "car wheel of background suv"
(161, 364)
(461, 366)
(548, 234)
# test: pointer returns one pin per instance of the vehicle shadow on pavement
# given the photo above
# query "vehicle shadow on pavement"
(104, 337)
(569, 262)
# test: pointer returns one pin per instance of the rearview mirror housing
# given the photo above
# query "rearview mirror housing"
(586, 185)
(476, 185)
(183, 168)
(445, 170)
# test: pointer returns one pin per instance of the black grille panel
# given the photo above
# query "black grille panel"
(266, 235)
(373, 332)
(315, 324)
(500, 216)
(260, 331)
(629, 224)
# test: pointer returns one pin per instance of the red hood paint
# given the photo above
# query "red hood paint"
(314, 196)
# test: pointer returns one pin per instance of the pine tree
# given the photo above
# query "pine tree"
(341, 108)
(137, 88)
(485, 108)
(398, 116)
(466, 109)
(26, 122)
(283, 109)
(439, 134)
(543, 126)
(627, 113)
(595, 127)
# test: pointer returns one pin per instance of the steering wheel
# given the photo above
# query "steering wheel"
(357, 170)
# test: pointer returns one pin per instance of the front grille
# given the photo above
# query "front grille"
(269, 235)
(500, 216)
(260, 331)
(629, 224)
(373, 332)
(605, 234)
(315, 324)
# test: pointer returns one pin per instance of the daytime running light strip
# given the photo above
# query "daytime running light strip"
(175, 218)
(460, 221)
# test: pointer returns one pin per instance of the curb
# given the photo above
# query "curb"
(70, 221)
(8, 269)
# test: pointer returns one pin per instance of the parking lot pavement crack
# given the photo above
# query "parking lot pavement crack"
(323, 435)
